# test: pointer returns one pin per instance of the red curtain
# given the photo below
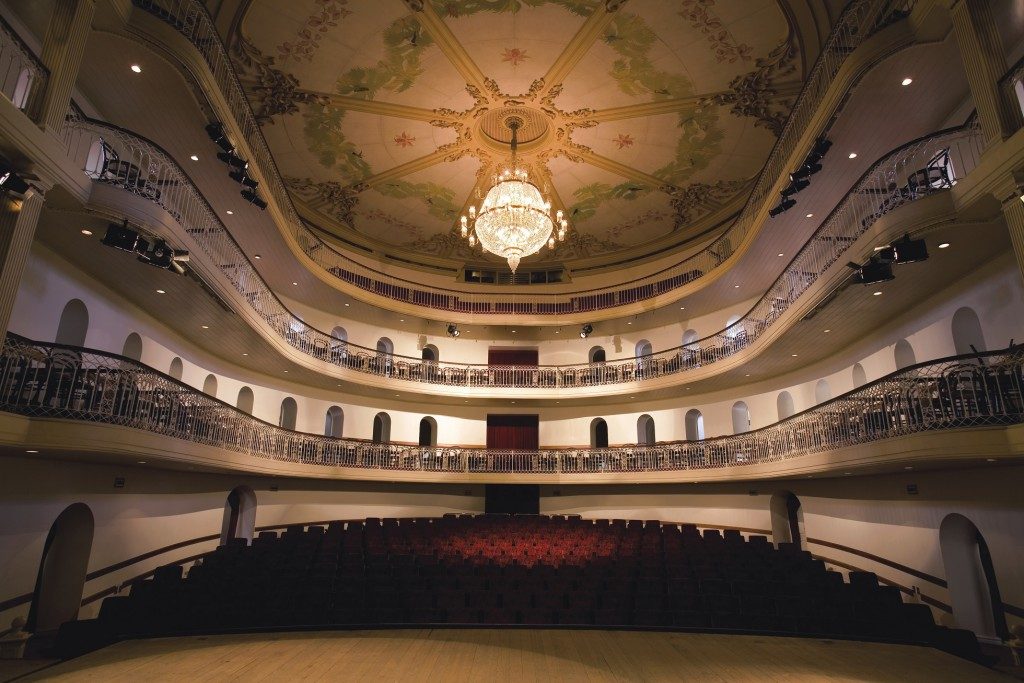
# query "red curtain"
(517, 432)
(526, 357)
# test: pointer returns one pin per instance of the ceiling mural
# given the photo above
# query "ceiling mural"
(642, 118)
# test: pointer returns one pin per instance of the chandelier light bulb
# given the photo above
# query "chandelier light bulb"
(551, 243)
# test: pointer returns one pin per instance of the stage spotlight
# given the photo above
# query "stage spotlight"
(253, 198)
(242, 176)
(805, 171)
(161, 255)
(453, 330)
(121, 237)
(219, 137)
(784, 206)
(907, 250)
(586, 331)
(819, 150)
(873, 271)
(794, 187)
(232, 159)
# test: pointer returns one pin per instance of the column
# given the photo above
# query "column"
(63, 46)
(19, 217)
(1013, 214)
(984, 61)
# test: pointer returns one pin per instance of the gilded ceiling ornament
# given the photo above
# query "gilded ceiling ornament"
(271, 91)
(405, 140)
(339, 200)
(307, 39)
(514, 56)
(623, 140)
(698, 13)
(691, 201)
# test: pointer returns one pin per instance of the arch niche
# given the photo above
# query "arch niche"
(73, 325)
(62, 569)
(787, 518)
(239, 515)
(973, 590)
(598, 433)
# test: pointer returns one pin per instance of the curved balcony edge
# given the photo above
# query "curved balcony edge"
(912, 414)
(828, 80)
(908, 174)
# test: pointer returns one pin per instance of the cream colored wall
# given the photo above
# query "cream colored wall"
(157, 508)
(994, 291)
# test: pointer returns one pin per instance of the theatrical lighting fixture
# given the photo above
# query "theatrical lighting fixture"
(219, 137)
(907, 250)
(586, 331)
(121, 237)
(160, 255)
(453, 330)
(794, 187)
(12, 182)
(872, 272)
(232, 159)
(784, 206)
(812, 164)
(242, 176)
(253, 198)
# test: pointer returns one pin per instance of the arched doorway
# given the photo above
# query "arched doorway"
(740, 417)
(822, 391)
(597, 355)
(971, 577)
(239, 515)
(860, 378)
(385, 354)
(645, 431)
(694, 425)
(334, 422)
(176, 369)
(132, 347)
(784, 404)
(210, 386)
(62, 570)
(381, 428)
(430, 353)
(289, 413)
(598, 433)
(245, 400)
(428, 432)
(74, 324)
(967, 334)
(903, 353)
(643, 350)
(787, 518)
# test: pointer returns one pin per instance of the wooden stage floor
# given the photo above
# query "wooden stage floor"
(511, 655)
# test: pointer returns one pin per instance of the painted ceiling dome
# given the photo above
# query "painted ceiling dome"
(646, 121)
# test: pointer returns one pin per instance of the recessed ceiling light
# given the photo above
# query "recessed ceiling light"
(810, 215)
(136, 68)
(907, 81)
(827, 331)
(246, 354)
(682, 308)
(160, 291)
(257, 257)
(513, 331)
(794, 355)
(986, 459)
(908, 467)
(142, 462)
(31, 451)
(194, 157)
(513, 401)
(296, 284)
(558, 332)
(87, 233)
(396, 395)
(735, 286)
(780, 253)
(346, 305)
(629, 322)
(847, 473)
(206, 327)
(401, 320)
(853, 155)
(632, 396)
(879, 293)
(230, 212)
(747, 375)
(944, 245)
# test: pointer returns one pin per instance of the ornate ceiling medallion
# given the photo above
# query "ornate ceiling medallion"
(514, 221)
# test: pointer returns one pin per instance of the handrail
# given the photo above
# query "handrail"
(912, 171)
(59, 381)
(23, 76)
(857, 21)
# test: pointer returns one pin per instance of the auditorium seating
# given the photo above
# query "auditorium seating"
(516, 570)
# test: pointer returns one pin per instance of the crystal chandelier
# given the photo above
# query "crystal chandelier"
(514, 220)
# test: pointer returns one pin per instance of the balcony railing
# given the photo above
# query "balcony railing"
(57, 381)
(22, 76)
(918, 169)
(859, 20)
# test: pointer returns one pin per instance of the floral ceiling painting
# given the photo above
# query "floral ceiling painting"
(648, 119)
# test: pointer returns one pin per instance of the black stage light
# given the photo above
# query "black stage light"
(794, 187)
(784, 206)
(242, 176)
(885, 255)
(253, 198)
(819, 150)
(586, 331)
(161, 255)
(453, 330)
(805, 171)
(873, 271)
(219, 137)
(12, 182)
(909, 251)
(232, 159)
(120, 237)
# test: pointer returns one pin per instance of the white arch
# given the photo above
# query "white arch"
(787, 518)
(176, 368)
(597, 354)
(822, 391)
(645, 435)
(732, 328)
(694, 423)
(689, 340)
(381, 428)
(62, 568)
(967, 331)
(784, 404)
(860, 378)
(210, 385)
(245, 400)
(598, 433)
(74, 324)
(430, 353)
(903, 353)
(132, 347)
(239, 515)
(428, 432)
(740, 417)
(970, 575)
(289, 413)
(334, 422)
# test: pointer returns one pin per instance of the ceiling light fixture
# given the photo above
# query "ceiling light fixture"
(194, 157)
(810, 215)
(586, 331)
(944, 245)
(907, 81)
(879, 293)
(136, 68)
(514, 220)
(160, 291)
(32, 451)
(780, 254)
(453, 329)
(206, 327)
(88, 233)
(853, 155)
(230, 212)
(257, 257)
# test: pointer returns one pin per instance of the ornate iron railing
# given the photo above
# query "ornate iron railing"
(859, 20)
(22, 76)
(918, 169)
(57, 381)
